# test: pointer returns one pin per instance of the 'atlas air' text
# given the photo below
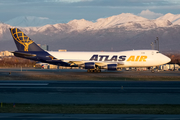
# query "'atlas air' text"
(118, 58)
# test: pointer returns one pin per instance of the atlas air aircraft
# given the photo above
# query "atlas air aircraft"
(92, 61)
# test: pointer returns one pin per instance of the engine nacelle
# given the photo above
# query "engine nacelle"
(90, 65)
(112, 66)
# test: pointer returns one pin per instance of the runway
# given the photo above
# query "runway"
(90, 92)
(79, 87)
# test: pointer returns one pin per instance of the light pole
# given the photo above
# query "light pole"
(152, 45)
(158, 42)
(155, 44)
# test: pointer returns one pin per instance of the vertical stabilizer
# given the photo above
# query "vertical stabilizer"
(23, 42)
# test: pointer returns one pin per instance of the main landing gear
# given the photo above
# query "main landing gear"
(152, 70)
(94, 70)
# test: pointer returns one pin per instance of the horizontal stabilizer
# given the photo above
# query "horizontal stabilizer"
(23, 54)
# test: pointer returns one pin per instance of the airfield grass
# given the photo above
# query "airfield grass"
(142, 78)
(104, 76)
(90, 109)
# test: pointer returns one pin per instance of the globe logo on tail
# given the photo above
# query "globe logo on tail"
(21, 38)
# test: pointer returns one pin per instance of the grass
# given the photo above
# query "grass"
(51, 75)
(90, 109)
(38, 74)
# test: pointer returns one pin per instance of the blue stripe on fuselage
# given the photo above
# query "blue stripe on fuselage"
(41, 56)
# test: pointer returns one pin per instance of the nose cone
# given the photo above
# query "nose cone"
(165, 59)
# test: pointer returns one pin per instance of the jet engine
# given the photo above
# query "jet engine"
(112, 66)
(89, 65)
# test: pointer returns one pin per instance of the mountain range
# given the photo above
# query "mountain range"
(116, 33)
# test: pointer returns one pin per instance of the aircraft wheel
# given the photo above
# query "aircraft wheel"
(98, 71)
(91, 71)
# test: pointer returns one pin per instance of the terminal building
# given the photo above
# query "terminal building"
(6, 53)
(171, 67)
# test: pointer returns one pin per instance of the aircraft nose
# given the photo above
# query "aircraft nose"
(166, 59)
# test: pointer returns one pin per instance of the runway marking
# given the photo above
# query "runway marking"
(23, 84)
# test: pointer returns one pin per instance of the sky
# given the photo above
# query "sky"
(66, 10)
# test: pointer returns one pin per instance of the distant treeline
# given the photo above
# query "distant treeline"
(16, 62)
(175, 58)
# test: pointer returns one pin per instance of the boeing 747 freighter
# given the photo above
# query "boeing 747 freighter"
(92, 61)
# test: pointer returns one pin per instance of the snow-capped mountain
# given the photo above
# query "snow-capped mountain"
(119, 32)
(79, 24)
(3, 28)
(113, 21)
(29, 21)
(175, 19)
(101, 23)
(128, 21)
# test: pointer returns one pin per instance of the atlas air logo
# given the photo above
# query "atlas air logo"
(118, 58)
(137, 58)
(21, 38)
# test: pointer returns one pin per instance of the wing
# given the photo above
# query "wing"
(98, 63)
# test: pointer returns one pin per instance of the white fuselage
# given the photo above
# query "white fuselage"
(134, 58)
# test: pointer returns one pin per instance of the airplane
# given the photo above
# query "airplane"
(92, 61)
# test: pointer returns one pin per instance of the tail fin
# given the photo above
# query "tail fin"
(23, 42)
